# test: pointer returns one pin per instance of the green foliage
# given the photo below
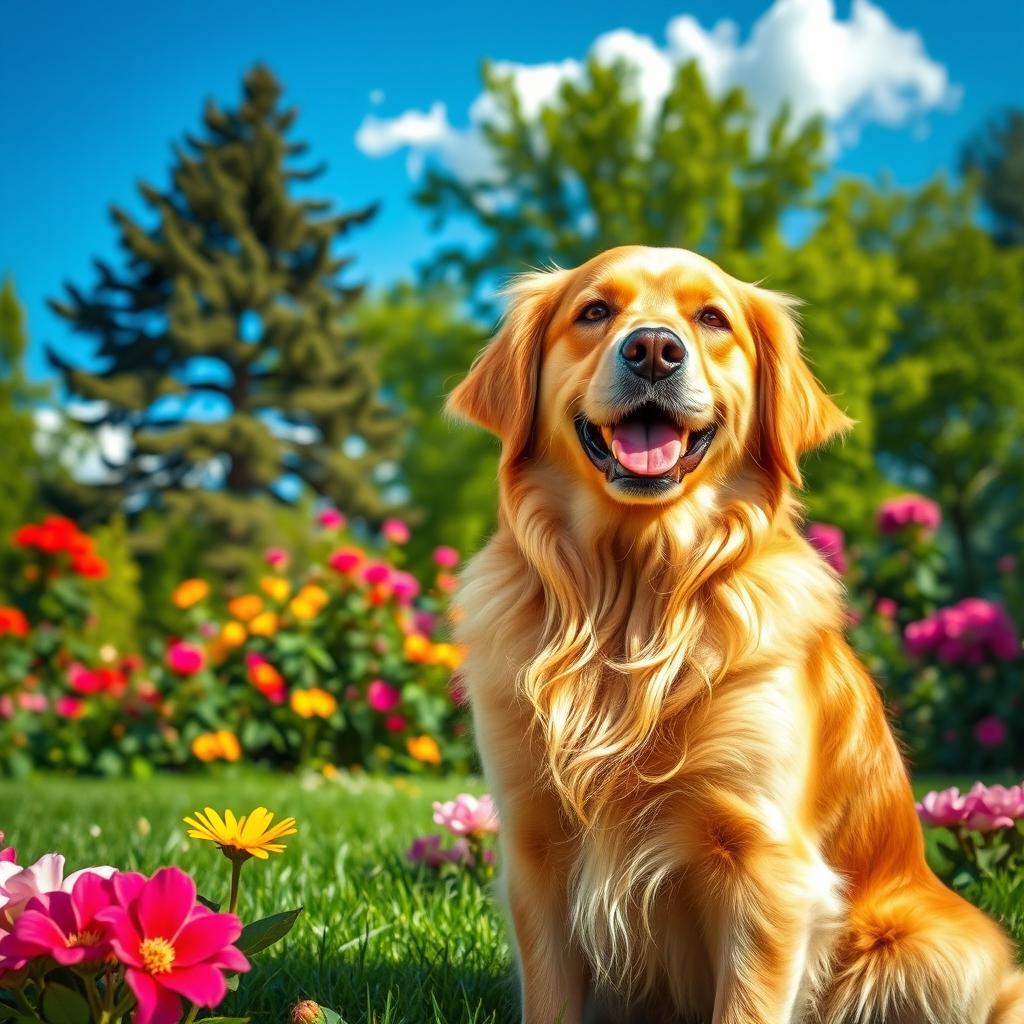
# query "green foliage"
(425, 345)
(21, 469)
(116, 599)
(223, 342)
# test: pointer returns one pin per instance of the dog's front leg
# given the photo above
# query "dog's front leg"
(772, 917)
(551, 970)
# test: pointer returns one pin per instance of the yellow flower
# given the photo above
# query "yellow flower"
(424, 749)
(246, 607)
(446, 654)
(264, 624)
(276, 588)
(217, 746)
(233, 634)
(252, 835)
(416, 647)
(313, 703)
(189, 592)
(314, 595)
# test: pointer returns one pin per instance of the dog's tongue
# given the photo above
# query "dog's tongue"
(646, 449)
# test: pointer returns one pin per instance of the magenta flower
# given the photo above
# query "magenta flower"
(84, 680)
(331, 519)
(428, 852)
(886, 607)
(184, 658)
(61, 925)
(69, 707)
(446, 557)
(382, 696)
(829, 542)
(19, 885)
(991, 731)
(345, 559)
(34, 702)
(276, 558)
(1006, 565)
(467, 815)
(395, 531)
(170, 945)
(982, 809)
(376, 572)
(395, 723)
(8, 854)
(967, 633)
(908, 510)
(404, 586)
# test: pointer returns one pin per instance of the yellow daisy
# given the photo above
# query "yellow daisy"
(252, 835)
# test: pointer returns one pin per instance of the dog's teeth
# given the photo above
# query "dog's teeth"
(607, 433)
(684, 439)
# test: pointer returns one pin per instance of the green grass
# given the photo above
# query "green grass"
(379, 941)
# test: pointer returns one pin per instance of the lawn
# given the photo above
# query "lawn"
(379, 942)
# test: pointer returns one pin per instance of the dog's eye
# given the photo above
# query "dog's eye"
(711, 317)
(595, 311)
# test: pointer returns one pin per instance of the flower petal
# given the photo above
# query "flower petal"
(202, 984)
(202, 936)
(165, 903)
(157, 1005)
(124, 938)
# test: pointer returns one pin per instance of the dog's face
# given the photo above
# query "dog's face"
(646, 371)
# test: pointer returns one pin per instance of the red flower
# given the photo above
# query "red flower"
(170, 945)
(89, 566)
(13, 622)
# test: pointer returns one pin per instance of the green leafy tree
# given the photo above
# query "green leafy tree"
(21, 468)
(595, 170)
(223, 345)
(449, 472)
(996, 157)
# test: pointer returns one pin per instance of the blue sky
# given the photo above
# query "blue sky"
(94, 95)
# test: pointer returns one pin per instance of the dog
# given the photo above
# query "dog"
(705, 815)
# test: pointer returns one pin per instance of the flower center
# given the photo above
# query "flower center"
(90, 937)
(157, 955)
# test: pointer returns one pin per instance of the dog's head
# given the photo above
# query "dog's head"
(645, 371)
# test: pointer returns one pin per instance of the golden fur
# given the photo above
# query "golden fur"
(705, 817)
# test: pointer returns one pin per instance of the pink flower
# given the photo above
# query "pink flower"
(377, 572)
(382, 696)
(942, 808)
(908, 510)
(447, 583)
(467, 815)
(992, 807)
(395, 531)
(170, 945)
(404, 586)
(969, 633)
(35, 702)
(62, 925)
(446, 557)
(345, 559)
(991, 731)
(331, 519)
(428, 852)
(69, 707)
(84, 680)
(276, 558)
(828, 541)
(18, 885)
(394, 723)
(8, 854)
(184, 658)
(886, 607)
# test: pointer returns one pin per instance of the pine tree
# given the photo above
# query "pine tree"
(223, 347)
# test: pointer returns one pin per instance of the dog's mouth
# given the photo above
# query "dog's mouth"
(646, 451)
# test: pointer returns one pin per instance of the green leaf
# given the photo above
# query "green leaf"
(265, 932)
(62, 1005)
(330, 1016)
(209, 904)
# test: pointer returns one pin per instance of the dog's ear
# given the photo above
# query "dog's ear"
(500, 391)
(795, 413)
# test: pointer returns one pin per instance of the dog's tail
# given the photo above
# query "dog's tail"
(1009, 1004)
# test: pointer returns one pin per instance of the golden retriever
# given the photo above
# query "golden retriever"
(705, 816)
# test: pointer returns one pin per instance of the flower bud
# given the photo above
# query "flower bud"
(306, 1011)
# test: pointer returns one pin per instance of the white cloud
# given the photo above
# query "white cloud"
(853, 72)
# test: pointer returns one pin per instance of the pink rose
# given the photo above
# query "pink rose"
(446, 557)
(382, 696)
(467, 815)
(184, 658)
(908, 510)
(829, 542)
(942, 808)
(886, 607)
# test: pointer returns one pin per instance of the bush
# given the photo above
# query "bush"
(340, 663)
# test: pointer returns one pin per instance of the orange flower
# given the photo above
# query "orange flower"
(313, 703)
(246, 607)
(217, 746)
(233, 634)
(264, 624)
(276, 588)
(266, 678)
(189, 592)
(424, 749)
(416, 648)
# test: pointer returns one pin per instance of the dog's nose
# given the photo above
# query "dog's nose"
(653, 352)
